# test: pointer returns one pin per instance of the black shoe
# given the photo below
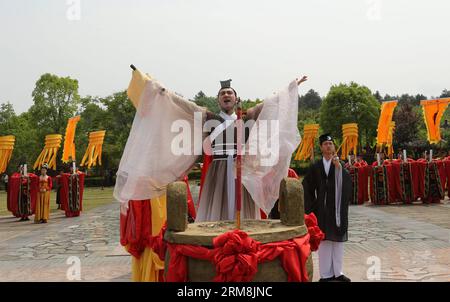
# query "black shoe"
(342, 278)
(26, 219)
(327, 279)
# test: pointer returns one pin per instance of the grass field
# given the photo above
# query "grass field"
(92, 198)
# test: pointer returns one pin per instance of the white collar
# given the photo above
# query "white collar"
(226, 117)
(326, 160)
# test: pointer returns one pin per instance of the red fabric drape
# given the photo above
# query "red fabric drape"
(136, 227)
(190, 200)
(207, 160)
(447, 173)
(236, 255)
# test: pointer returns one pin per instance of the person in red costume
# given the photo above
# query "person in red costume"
(71, 192)
(22, 194)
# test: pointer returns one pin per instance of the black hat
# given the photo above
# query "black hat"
(226, 84)
(325, 138)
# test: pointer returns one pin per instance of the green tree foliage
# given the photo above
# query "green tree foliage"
(208, 102)
(311, 100)
(6, 117)
(55, 99)
(407, 122)
(350, 104)
(445, 93)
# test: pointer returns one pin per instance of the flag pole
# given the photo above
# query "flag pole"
(239, 165)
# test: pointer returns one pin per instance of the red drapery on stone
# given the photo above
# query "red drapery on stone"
(236, 255)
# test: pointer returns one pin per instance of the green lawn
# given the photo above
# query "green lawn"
(92, 198)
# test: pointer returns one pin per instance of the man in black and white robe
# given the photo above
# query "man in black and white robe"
(328, 193)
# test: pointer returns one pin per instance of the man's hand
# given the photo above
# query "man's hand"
(303, 79)
(336, 162)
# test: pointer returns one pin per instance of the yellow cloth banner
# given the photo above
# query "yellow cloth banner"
(94, 149)
(48, 155)
(69, 145)
(310, 132)
(387, 112)
(389, 143)
(6, 149)
(136, 86)
(432, 113)
(350, 139)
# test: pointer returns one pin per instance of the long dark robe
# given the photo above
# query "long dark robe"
(316, 186)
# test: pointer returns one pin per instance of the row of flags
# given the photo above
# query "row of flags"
(433, 110)
(92, 156)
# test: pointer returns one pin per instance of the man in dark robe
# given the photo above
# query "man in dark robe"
(328, 193)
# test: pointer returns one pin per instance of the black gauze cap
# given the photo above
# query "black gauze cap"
(325, 138)
(225, 84)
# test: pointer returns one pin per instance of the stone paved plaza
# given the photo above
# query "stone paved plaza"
(402, 243)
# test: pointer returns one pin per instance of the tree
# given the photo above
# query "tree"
(350, 104)
(55, 100)
(27, 144)
(378, 96)
(117, 121)
(311, 100)
(407, 122)
(6, 115)
(445, 93)
(209, 102)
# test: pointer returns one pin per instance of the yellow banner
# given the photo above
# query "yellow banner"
(350, 139)
(94, 150)
(6, 149)
(387, 112)
(69, 144)
(48, 154)
(305, 150)
(432, 113)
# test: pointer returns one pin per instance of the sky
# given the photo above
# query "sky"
(394, 46)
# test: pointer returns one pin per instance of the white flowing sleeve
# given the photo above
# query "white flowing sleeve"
(161, 145)
(272, 140)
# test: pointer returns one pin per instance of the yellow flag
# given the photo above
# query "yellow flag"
(6, 149)
(48, 154)
(69, 144)
(387, 112)
(432, 113)
(136, 86)
(310, 132)
(389, 143)
(94, 149)
(350, 139)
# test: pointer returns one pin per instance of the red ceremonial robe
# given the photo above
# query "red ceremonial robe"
(14, 186)
(65, 180)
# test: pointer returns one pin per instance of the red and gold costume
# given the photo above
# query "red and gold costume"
(43, 203)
